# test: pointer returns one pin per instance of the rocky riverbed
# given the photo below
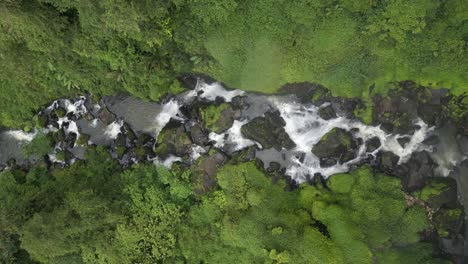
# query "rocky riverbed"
(304, 133)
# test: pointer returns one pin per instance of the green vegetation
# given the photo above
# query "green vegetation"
(96, 213)
(54, 48)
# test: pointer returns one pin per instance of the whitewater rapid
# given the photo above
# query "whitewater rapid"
(303, 125)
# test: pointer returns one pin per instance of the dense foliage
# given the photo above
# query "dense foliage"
(52, 48)
(94, 212)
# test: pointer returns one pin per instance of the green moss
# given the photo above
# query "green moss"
(211, 116)
(431, 189)
(83, 139)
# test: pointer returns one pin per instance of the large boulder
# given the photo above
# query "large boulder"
(173, 140)
(268, 131)
(338, 145)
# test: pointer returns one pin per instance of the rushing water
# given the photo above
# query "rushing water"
(303, 124)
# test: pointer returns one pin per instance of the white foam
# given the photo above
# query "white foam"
(211, 91)
(197, 151)
(168, 111)
(232, 138)
(21, 135)
(113, 129)
(167, 162)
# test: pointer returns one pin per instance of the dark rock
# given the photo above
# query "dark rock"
(129, 132)
(268, 131)
(60, 112)
(306, 92)
(388, 162)
(463, 143)
(144, 140)
(173, 140)
(416, 171)
(338, 145)
(71, 139)
(403, 141)
(327, 112)
(447, 197)
(431, 140)
(453, 246)
(372, 144)
(239, 103)
(318, 180)
(120, 141)
(106, 116)
(199, 135)
(433, 115)
(274, 166)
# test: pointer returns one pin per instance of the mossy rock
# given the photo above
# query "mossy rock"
(83, 139)
(338, 145)
(268, 131)
(448, 222)
(60, 112)
(120, 151)
(218, 118)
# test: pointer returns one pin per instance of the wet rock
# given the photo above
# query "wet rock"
(403, 141)
(219, 118)
(416, 170)
(273, 166)
(120, 141)
(345, 106)
(463, 143)
(60, 112)
(431, 140)
(338, 145)
(454, 246)
(106, 116)
(239, 103)
(71, 139)
(396, 114)
(144, 140)
(439, 192)
(173, 140)
(306, 92)
(268, 131)
(433, 115)
(327, 112)
(388, 162)
(127, 130)
(372, 144)
(199, 135)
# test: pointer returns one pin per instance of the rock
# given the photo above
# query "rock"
(372, 144)
(60, 112)
(431, 140)
(219, 118)
(327, 112)
(416, 171)
(454, 246)
(204, 176)
(71, 139)
(199, 135)
(106, 116)
(388, 162)
(239, 103)
(338, 145)
(403, 141)
(173, 140)
(268, 131)
(306, 92)
(145, 140)
(120, 141)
